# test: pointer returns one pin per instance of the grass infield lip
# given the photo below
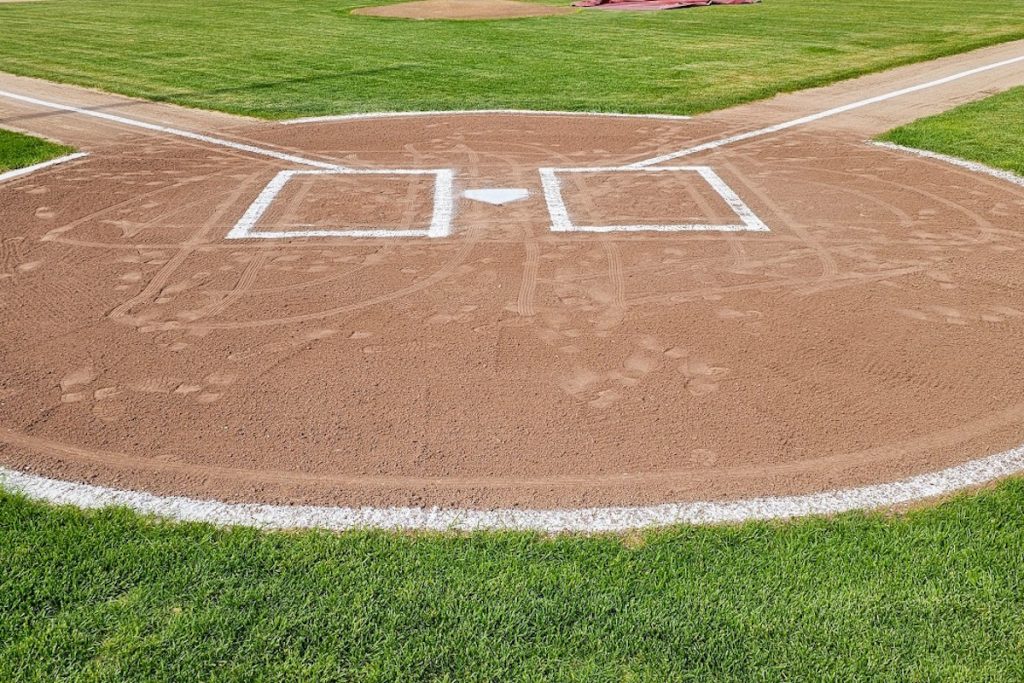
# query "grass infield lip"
(22, 154)
(907, 491)
(27, 170)
(933, 594)
(955, 161)
(986, 136)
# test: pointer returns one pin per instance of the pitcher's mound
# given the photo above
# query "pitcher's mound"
(462, 9)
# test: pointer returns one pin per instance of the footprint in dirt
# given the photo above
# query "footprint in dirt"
(750, 320)
(701, 377)
(72, 384)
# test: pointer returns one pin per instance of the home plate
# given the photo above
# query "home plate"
(501, 195)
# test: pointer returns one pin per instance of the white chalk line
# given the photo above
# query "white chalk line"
(821, 115)
(561, 222)
(440, 223)
(585, 520)
(470, 112)
(19, 172)
(974, 166)
(241, 147)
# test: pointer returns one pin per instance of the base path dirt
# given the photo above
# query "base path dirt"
(462, 9)
(835, 315)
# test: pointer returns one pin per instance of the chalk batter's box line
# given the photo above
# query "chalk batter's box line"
(561, 222)
(440, 223)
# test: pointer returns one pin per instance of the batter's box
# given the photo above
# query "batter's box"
(662, 199)
(351, 203)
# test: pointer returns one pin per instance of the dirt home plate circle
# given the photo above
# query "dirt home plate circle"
(496, 312)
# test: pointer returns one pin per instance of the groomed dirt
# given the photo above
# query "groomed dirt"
(873, 333)
(462, 10)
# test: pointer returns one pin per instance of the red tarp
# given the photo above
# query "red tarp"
(656, 4)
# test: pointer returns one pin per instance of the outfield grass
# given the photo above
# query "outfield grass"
(934, 595)
(19, 151)
(990, 131)
(284, 58)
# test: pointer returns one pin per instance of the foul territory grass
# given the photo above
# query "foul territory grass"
(284, 58)
(932, 595)
(19, 151)
(990, 131)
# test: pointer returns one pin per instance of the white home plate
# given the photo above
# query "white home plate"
(500, 195)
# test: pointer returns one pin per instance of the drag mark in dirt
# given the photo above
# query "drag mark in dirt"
(122, 313)
(528, 286)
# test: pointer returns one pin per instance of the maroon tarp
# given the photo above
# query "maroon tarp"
(656, 4)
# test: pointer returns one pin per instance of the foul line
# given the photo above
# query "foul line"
(821, 115)
(956, 161)
(587, 520)
(281, 156)
(470, 112)
(19, 172)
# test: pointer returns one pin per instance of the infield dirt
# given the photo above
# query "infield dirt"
(872, 334)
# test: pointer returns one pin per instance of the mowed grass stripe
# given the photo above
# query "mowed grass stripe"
(990, 131)
(280, 59)
(20, 151)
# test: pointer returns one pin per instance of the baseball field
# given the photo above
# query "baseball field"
(551, 345)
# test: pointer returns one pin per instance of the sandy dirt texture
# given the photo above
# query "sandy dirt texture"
(872, 333)
(464, 10)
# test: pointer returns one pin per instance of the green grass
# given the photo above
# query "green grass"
(283, 58)
(933, 595)
(990, 131)
(19, 151)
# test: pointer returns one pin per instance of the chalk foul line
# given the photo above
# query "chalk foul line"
(803, 120)
(167, 130)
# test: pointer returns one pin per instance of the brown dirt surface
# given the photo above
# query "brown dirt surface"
(462, 10)
(872, 334)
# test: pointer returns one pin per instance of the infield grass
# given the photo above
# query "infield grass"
(282, 58)
(932, 595)
(990, 131)
(19, 151)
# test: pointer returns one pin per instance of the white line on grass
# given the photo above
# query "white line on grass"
(821, 115)
(470, 112)
(124, 121)
(956, 161)
(586, 520)
(19, 172)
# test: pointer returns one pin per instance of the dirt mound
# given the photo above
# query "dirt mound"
(462, 9)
